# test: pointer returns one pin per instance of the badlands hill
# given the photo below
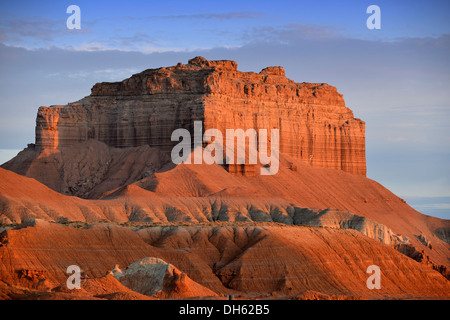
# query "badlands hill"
(251, 261)
(101, 190)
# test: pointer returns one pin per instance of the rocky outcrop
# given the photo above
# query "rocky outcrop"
(155, 277)
(443, 234)
(315, 125)
(423, 239)
(333, 218)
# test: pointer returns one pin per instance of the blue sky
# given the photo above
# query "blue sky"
(149, 26)
(397, 79)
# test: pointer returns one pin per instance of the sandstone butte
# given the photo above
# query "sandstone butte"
(98, 190)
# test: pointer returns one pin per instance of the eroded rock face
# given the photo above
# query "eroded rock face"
(315, 125)
(252, 261)
(339, 219)
(155, 277)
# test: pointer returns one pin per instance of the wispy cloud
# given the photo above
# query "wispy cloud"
(436, 206)
(111, 74)
(34, 27)
(91, 47)
(16, 30)
(133, 40)
(133, 33)
(217, 16)
(109, 46)
(290, 33)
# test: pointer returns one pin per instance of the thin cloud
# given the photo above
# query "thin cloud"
(139, 37)
(217, 16)
(38, 28)
(290, 33)
(112, 74)
(90, 47)
(33, 27)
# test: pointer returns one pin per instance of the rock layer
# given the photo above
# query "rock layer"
(208, 193)
(253, 261)
(315, 125)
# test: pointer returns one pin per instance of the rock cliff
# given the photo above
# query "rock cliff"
(315, 125)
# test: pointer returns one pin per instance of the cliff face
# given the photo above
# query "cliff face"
(315, 125)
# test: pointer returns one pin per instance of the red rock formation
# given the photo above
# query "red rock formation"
(315, 125)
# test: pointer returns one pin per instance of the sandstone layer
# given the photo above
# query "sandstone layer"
(250, 261)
